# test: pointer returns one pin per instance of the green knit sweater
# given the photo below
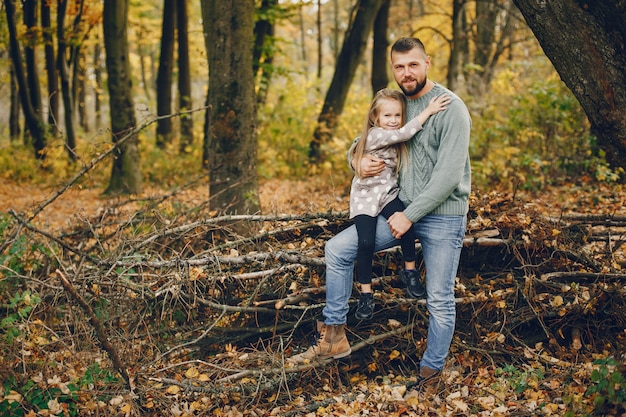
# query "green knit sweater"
(437, 177)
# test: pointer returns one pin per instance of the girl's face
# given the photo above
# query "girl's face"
(390, 114)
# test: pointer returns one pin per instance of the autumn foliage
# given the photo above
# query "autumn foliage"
(154, 305)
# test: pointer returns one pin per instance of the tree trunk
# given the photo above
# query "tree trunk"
(34, 122)
(459, 39)
(66, 92)
(80, 88)
(51, 68)
(97, 75)
(494, 28)
(184, 78)
(380, 61)
(349, 58)
(164, 130)
(319, 39)
(32, 69)
(14, 115)
(125, 174)
(264, 48)
(586, 44)
(232, 162)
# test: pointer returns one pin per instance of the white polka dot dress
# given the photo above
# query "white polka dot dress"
(369, 195)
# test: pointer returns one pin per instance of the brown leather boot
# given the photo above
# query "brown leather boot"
(332, 342)
(429, 378)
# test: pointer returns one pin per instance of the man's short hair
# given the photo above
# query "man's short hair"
(407, 44)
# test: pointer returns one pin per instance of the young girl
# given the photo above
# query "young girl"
(383, 137)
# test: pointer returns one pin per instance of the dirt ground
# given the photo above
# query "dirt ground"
(277, 196)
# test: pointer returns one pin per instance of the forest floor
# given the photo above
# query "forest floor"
(549, 345)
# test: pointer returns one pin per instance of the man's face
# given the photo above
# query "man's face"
(410, 70)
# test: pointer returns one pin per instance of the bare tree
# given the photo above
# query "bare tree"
(184, 77)
(380, 79)
(33, 120)
(51, 68)
(232, 146)
(264, 46)
(68, 103)
(349, 58)
(125, 173)
(164, 130)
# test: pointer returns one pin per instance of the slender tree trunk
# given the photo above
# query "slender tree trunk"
(184, 78)
(164, 130)
(302, 38)
(352, 50)
(319, 39)
(51, 69)
(125, 173)
(34, 122)
(145, 79)
(228, 26)
(459, 38)
(32, 69)
(379, 51)
(263, 48)
(14, 116)
(30, 53)
(336, 24)
(97, 72)
(80, 88)
(68, 105)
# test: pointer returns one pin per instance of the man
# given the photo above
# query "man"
(434, 186)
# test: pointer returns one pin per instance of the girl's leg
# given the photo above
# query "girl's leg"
(366, 229)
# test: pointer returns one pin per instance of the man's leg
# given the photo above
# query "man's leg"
(340, 253)
(442, 240)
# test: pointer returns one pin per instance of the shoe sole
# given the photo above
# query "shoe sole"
(359, 317)
(420, 295)
(342, 354)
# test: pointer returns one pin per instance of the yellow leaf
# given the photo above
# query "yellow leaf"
(557, 301)
(192, 372)
(203, 377)
(196, 273)
(173, 389)
(125, 408)
(412, 401)
(555, 232)
(394, 354)
(41, 341)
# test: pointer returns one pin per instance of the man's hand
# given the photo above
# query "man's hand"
(371, 166)
(399, 224)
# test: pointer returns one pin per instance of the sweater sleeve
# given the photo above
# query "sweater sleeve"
(451, 166)
(381, 138)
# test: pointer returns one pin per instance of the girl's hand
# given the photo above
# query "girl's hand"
(438, 104)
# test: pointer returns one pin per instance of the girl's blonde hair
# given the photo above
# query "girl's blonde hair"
(372, 121)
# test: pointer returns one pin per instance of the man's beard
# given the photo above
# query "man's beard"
(418, 87)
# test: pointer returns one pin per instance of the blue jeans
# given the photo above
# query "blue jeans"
(442, 240)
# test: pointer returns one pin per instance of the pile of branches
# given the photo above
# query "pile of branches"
(171, 284)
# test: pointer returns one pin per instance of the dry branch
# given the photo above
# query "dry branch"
(99, 328)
